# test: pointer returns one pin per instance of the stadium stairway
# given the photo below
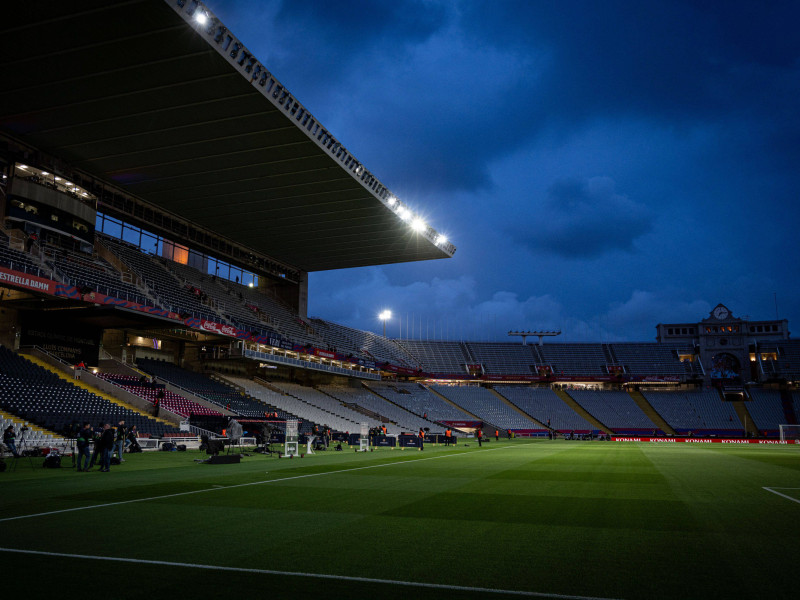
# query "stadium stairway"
(570, 401)
(96, 391)
(505, 401)
(744, 416)
(651, 412)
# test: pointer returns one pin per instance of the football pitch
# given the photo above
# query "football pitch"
(548, 519)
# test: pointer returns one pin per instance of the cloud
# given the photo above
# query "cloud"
(583, 219)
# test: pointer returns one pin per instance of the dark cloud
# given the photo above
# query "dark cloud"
(670, 129)
(583, 219)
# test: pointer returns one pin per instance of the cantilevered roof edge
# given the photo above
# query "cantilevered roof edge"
(209, 27)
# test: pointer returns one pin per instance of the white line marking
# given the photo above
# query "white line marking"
(782, 495)
(238, 485)
(418, 584)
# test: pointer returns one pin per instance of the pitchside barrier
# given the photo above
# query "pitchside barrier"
(384, 441)
(700, 440)
(408, 441)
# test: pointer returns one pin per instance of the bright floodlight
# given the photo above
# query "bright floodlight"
(404, 213)
(441, 240)
(201, 18)
(392, 201)
(385, 316)
(418, 224)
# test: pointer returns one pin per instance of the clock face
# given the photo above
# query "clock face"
(720, 312)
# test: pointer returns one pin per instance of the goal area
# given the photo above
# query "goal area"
(789, 432)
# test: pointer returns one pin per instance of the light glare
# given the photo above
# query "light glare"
(418, 225)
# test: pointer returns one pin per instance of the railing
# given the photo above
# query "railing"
(288, 360)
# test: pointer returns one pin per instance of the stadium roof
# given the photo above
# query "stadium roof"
(160, 99)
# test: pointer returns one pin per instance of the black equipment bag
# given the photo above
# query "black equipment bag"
(52, 461)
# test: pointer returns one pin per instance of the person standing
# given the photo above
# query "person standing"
(479, 434)
(96, 432)
(421, 436)
(106, 444)
(157, 402)
(448, 437)
(10, 440)
(119, 440)
(496, 435)
(84, 444)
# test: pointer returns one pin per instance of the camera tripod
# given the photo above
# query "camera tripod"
(21, 449)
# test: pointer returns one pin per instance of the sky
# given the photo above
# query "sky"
(601, 167)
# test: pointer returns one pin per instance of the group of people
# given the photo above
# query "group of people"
(107, 441)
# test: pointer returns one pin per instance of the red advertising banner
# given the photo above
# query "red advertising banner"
(25, 281)
(700, 440)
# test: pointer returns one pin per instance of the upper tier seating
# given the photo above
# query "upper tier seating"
(21, 261)
(366, 344)
(575, 359)
(437, 357)
(650, 359)
(171, 293)
(543, 404)
(504, 358)
(84, 271)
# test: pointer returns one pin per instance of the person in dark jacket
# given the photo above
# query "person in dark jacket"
(96, 453)
(84, 443)
(119, 440)
(10, 440)
(106, 445)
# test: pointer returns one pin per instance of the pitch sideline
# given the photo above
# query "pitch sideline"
(238, 485)
(417, 584)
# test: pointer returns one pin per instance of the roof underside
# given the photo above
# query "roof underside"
(130, 93)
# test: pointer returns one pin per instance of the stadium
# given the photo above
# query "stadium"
(164, 199)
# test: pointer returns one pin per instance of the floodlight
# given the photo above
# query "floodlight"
(418, 224)
(392, 200)
(45, 173)
(201, 18)
(385, 316)
(441, 240)
(23, 167)
(404, 213)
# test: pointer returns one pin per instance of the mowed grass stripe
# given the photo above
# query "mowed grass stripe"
(317, 471)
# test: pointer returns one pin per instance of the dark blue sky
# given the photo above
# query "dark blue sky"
(601, 167)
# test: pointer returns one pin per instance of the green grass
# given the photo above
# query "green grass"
(595, 519)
